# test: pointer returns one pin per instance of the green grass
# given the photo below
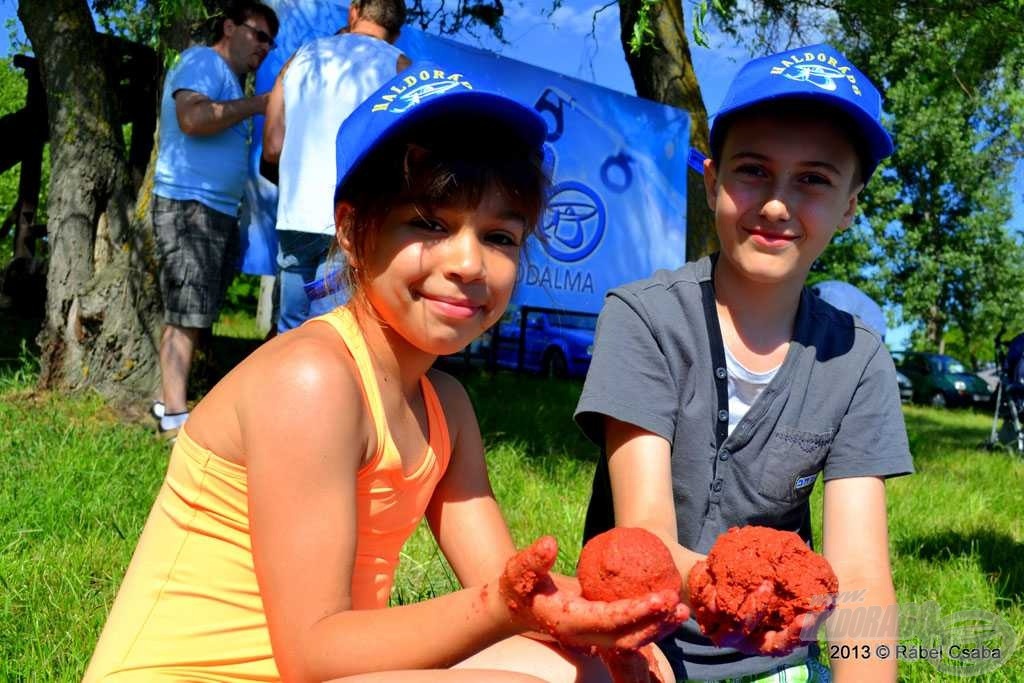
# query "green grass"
(76, 485)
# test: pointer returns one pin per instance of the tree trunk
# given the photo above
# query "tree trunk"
(102, 311)
(663, 71)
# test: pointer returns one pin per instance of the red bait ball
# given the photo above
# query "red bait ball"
(757, 580)
(626, 563)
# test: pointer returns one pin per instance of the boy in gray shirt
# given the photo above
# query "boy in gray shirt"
(723, 391)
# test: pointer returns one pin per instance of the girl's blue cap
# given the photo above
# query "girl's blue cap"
(816, 72)
(427, 90)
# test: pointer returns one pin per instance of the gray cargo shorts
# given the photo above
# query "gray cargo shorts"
(198, 251)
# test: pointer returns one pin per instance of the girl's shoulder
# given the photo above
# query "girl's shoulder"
(450, 392)
(302, 381)
(458, 407)
(307, 369)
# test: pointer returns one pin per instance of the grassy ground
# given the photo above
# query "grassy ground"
(75, 487)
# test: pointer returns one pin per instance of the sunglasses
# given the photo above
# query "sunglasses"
(261, 36)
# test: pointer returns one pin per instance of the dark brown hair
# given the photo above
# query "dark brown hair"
(443, 161)
(240, 10)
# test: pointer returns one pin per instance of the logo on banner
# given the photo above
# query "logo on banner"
(574, 222)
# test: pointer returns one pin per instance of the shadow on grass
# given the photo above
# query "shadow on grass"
(216, 357)
(17, 332)
(526, 409)
(940, 432)
(1001, 557)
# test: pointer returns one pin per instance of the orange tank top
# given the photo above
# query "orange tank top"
(189, 607)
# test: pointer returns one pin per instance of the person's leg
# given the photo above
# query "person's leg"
(297, 259)
(444, 676)
(192, 243)
(293, 304)
(176, 348)
(549, 662)
(329, 271)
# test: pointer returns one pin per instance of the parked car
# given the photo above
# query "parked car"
(942, 381)
(906, 387)
(557, 344)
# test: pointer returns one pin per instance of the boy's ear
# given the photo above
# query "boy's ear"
(851, 208)
(710, 181)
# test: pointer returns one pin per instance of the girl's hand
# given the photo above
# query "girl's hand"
(631, 666)
(534, 600)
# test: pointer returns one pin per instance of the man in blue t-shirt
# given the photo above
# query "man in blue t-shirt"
(200, 175)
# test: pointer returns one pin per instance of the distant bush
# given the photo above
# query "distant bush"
(243, 294)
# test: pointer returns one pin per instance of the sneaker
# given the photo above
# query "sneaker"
(168, 435)
(167, 427)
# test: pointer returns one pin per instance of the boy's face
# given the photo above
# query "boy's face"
(782, 189)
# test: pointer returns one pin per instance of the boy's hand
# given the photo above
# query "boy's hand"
(724, 631)
(534, 599)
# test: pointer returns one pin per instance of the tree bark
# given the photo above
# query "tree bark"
(663, 71)
(102, 315)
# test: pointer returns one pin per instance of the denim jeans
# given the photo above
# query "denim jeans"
(301, 259)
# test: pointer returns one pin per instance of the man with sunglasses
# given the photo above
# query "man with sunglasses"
(316, 90)
(200, 176)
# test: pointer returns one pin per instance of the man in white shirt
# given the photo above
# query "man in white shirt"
(317, 89)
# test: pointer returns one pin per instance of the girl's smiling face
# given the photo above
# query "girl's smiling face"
(781, 190)
(439, 277)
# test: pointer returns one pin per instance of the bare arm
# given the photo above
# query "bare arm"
(199, 115)
(856, 544)
(641, 477)
(463, 514)
(274, 124)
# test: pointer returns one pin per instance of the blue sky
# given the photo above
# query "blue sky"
(563, 42)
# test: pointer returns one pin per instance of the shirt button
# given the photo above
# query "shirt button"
(720, 373)
(717, 486)
(723, 415)
(723, 456)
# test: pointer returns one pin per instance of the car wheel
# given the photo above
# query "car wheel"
(938, 400)
(555, 365)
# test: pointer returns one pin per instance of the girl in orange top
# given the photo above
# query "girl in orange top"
(270, 550)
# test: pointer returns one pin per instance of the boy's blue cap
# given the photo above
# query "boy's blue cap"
(816, 72)
(426, 90)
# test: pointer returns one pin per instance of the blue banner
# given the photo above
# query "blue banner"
(617, 210)
(301, 22)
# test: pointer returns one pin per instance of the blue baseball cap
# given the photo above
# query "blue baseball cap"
(815, 72)
(427, 90)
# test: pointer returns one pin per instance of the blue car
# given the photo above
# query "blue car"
(557, 344)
